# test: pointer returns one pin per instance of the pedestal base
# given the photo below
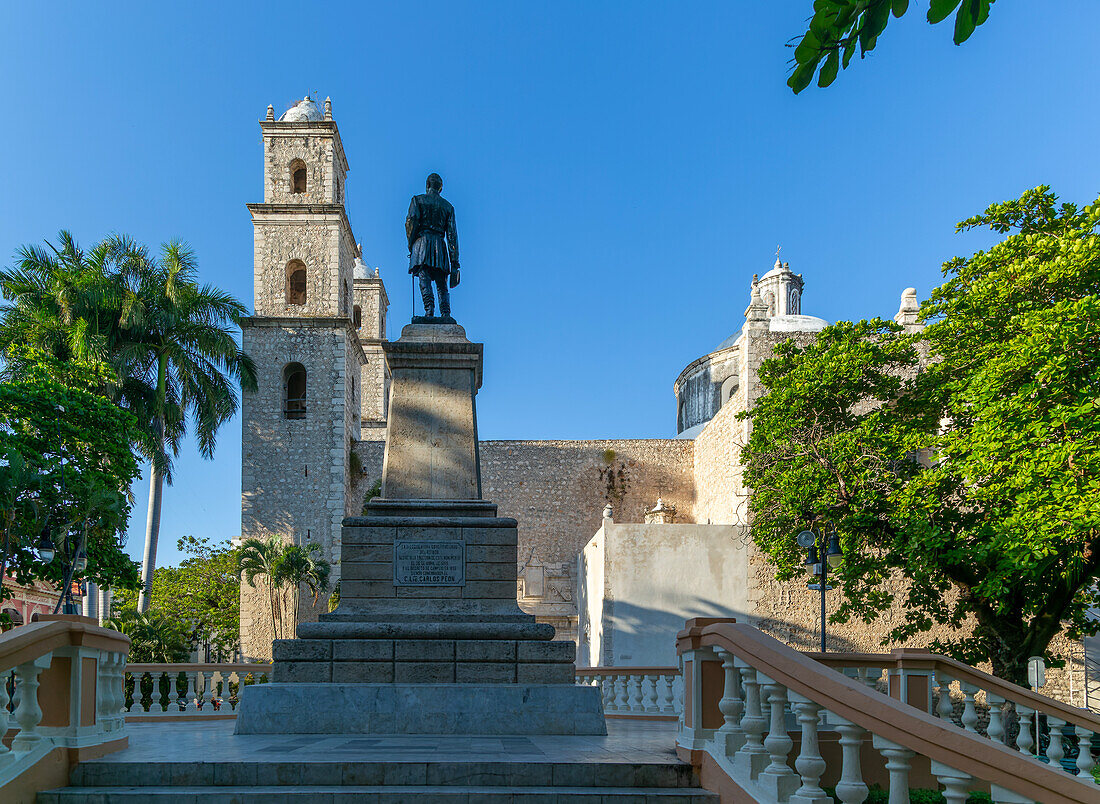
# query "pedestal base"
(420, 709)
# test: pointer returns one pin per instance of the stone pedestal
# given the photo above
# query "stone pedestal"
(428, 637)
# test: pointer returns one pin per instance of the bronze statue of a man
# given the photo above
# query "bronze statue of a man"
(433, 245)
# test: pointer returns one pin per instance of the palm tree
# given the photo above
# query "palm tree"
(175, 346)
(286, 568)
(166, 343)
(303, 565)
(63, 302)
(261, 558)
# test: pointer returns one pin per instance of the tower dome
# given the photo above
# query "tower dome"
(304, 111)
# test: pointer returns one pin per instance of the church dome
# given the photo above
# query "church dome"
(360, 269)
(304, 111)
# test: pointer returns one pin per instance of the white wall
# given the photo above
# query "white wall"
(637, 585)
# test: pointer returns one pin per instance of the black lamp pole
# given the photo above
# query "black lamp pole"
(822, 551)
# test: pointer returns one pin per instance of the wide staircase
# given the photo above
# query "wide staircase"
(755, 722)
(381, 782)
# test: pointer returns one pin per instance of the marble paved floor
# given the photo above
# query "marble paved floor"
(214, 741)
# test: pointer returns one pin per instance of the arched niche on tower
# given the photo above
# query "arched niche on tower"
(294, 391)
(298, 176)
(295, 282)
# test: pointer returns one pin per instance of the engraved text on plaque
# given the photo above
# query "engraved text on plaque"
(434, 563)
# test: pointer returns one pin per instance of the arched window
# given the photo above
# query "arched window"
(297, 176)
(729, 388)
(295, 282)
(294, 384)
(357, 316)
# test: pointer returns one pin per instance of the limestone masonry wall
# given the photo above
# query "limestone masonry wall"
(554, 489)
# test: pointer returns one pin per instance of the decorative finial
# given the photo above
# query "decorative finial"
(787, 267)
(909, 310)
(270, 112)
(607, 512)
(328, 108)
(757, 310)
(359, 249)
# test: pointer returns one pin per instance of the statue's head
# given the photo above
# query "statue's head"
(435, 182)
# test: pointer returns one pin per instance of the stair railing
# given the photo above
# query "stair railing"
(750, 701)
(61, 693)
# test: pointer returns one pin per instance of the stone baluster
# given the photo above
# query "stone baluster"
(182, 688)
(778, 778)
(730, 735)
(653, 707)
(898, 762)
(191, 699)
(104, 690)
(956, 782)
(1056, 749)
(135, 697)
(751, 757)
(6, 755)
(205, 699)
(159, 704)
(809, 764)
(851, 789)
(229, 679)
(1024, 740)
(623, 700)
(608, 684)
(970, 713)
(28, 714)
(637, 701)
(1084, 753)
(996, 728)
(669, 707)
(946, 707)
(118, 686)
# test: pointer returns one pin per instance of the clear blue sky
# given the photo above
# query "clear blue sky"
(620, 170)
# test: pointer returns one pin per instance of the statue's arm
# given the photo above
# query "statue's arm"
(452, 237)
(410, 222)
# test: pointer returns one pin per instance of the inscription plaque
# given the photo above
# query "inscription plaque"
(434, 563)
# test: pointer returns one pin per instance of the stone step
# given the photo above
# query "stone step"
(286, 773)
(360, 794)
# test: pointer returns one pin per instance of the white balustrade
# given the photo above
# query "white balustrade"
(810, 764)
(1024, 740)
(970, 713)
(778, 779)
(28, 714)
(996, 728)
(1056, 749)
(1085, 761)
(851, 789)
(898, 763)
(635, 692)
(731, 706)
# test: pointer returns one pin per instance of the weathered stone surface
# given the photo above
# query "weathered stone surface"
(373, 650)
(546, 652)
(301, 672)
(302, 650)
(421, 709)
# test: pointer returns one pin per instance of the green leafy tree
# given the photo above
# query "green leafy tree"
(202, 593)
(964, 458)
(155, 637)
(165, 345)
(838, 27)
(73, 467)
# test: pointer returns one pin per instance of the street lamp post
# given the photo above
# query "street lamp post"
(822, 553)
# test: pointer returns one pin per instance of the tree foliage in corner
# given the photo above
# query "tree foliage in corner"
(964, 458)
(65, 465)
(201, 595)
(838, 27)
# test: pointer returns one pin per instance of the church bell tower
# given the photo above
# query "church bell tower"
(301, 426)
